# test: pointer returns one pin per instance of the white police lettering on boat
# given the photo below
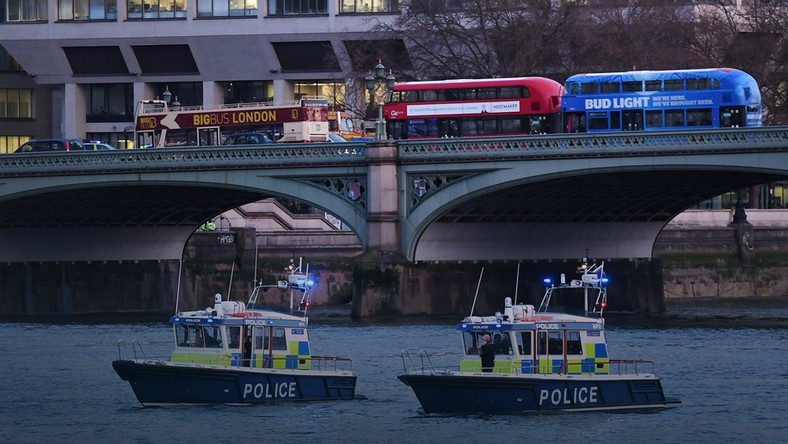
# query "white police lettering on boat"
(580, 395)
(280, 390)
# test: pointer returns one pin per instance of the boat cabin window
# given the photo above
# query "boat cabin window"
(273, 338)
(235, 337)
(553, 343)
(502, 343)
(198, 336)
(573, 345)
(471, 342)
(524, 342)
(550, 343)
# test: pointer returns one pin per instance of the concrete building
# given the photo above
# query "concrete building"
(89, 62)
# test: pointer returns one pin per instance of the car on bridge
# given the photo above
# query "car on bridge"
(99, 146)
(247, 139)
(50, 145)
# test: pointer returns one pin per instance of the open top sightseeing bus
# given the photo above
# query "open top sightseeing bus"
(473, 107)
(661, 100)
(161, 125)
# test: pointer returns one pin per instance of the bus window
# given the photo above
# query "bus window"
(698, 84)
(632, 86)
(512, 92)
(730, 117)
(488, 125)
(610, 87)
(572, 88)
(468, 128)
(487, 93)
(633, 120)
(429, 95)
(674, 85)
(589, 88)
(597, 120)
(699, 117)
(511, 125)
(674, 117)
(615, 120)
(654, 119)
(653, 85)
(448, 128)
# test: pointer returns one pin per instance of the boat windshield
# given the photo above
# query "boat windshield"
(198, 336)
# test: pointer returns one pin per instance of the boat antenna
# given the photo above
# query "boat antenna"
(517, 284)
(477, 291)
(255, 259)
(178, 289)
(230, 286)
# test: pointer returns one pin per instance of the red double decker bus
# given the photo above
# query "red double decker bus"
(473, 107)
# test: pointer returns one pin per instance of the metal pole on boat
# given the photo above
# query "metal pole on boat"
(230, 285)
(517, 284)
(477, 291)
(178, 290)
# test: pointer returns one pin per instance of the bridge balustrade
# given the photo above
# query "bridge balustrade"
(595, 145)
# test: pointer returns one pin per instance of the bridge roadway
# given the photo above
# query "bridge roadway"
(531, 197)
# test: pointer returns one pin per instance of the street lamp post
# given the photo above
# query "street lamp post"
(378, 84)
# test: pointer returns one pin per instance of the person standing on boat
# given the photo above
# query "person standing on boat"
(487, 353)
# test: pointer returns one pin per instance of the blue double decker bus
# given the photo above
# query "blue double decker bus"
(661, 100)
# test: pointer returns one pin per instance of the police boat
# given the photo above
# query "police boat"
(233, 353)
(545, 360)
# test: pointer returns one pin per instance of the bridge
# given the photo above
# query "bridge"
(530, 197)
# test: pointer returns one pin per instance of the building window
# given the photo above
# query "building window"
(186, 93)
(16, 103)
(248, 92)
(157, 9)
(9, 144)
(332, 90)
(8, 63)
(226, 8)
(87, 9)
(297, 7)
(24, 10)
(368, 6)
(110, 103)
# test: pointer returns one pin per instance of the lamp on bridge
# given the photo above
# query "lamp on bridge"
(167, 95)
(378, 85)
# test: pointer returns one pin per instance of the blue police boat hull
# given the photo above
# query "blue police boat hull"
(529, 360)
(161, 383)
(454, 393)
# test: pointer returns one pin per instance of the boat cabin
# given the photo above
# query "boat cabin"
(540, 341)
(229, 334)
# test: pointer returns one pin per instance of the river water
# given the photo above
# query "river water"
(58, 386)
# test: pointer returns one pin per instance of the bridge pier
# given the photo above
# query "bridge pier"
(383, 217)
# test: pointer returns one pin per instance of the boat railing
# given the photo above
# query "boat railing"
(631, 366)
(316, 363)
(136, 350)
(421, 363)
(331, 363)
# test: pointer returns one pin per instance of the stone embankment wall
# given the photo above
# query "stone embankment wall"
(698, 255)
(704, 255)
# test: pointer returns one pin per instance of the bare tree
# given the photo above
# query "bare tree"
(483, 38)
(751, 37)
